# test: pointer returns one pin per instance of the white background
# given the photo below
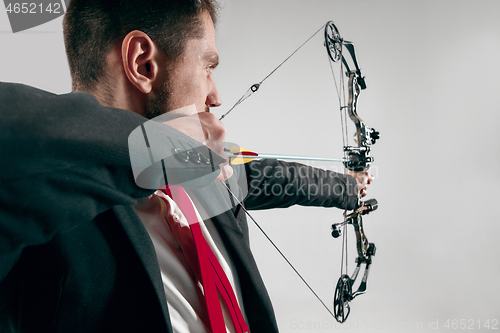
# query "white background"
(432, 73)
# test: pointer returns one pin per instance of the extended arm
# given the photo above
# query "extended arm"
(278, 184)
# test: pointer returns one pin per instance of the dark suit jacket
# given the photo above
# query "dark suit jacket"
(74, 256)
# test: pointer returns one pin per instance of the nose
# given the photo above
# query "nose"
(213, 98)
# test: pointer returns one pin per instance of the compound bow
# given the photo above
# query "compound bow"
(358, 159)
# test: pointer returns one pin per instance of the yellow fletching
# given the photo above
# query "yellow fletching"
(239, 160)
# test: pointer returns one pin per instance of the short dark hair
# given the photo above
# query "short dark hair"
(93, 27)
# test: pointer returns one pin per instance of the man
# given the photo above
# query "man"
(75, 255)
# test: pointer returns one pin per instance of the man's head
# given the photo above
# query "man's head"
(143, 54)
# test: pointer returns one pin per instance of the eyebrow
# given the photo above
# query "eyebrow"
(212, 57)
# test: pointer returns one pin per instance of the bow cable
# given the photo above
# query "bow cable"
(345, 138)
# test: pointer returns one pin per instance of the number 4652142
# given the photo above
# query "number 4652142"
(471, 324)
(33, 8)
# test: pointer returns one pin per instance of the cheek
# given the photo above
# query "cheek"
(190, 87)
(199, 86)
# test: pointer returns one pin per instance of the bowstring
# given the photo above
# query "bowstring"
(340, 89)
(251, 90)
(277, 249)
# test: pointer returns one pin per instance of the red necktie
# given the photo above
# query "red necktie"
(205, 266)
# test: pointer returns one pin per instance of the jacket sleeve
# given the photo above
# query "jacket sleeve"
(279, 184)
(64, 160)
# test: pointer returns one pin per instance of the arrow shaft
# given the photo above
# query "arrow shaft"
(288, 157)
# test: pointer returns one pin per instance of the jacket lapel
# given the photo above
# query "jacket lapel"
(233, 229)
(143, 245)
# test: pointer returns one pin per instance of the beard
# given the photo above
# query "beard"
(158, 101)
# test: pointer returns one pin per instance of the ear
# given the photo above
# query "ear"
(139, 60)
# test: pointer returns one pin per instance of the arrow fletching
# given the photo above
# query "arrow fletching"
(239, 155)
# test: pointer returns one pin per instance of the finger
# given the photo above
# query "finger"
(226, 171)
(365, 178)
(213, 129)
(370, 178)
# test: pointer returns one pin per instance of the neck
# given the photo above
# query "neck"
(114, 92)
(114, 89)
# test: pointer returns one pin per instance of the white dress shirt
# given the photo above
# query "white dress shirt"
(179, 282)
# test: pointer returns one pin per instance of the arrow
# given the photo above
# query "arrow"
(245, 156)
